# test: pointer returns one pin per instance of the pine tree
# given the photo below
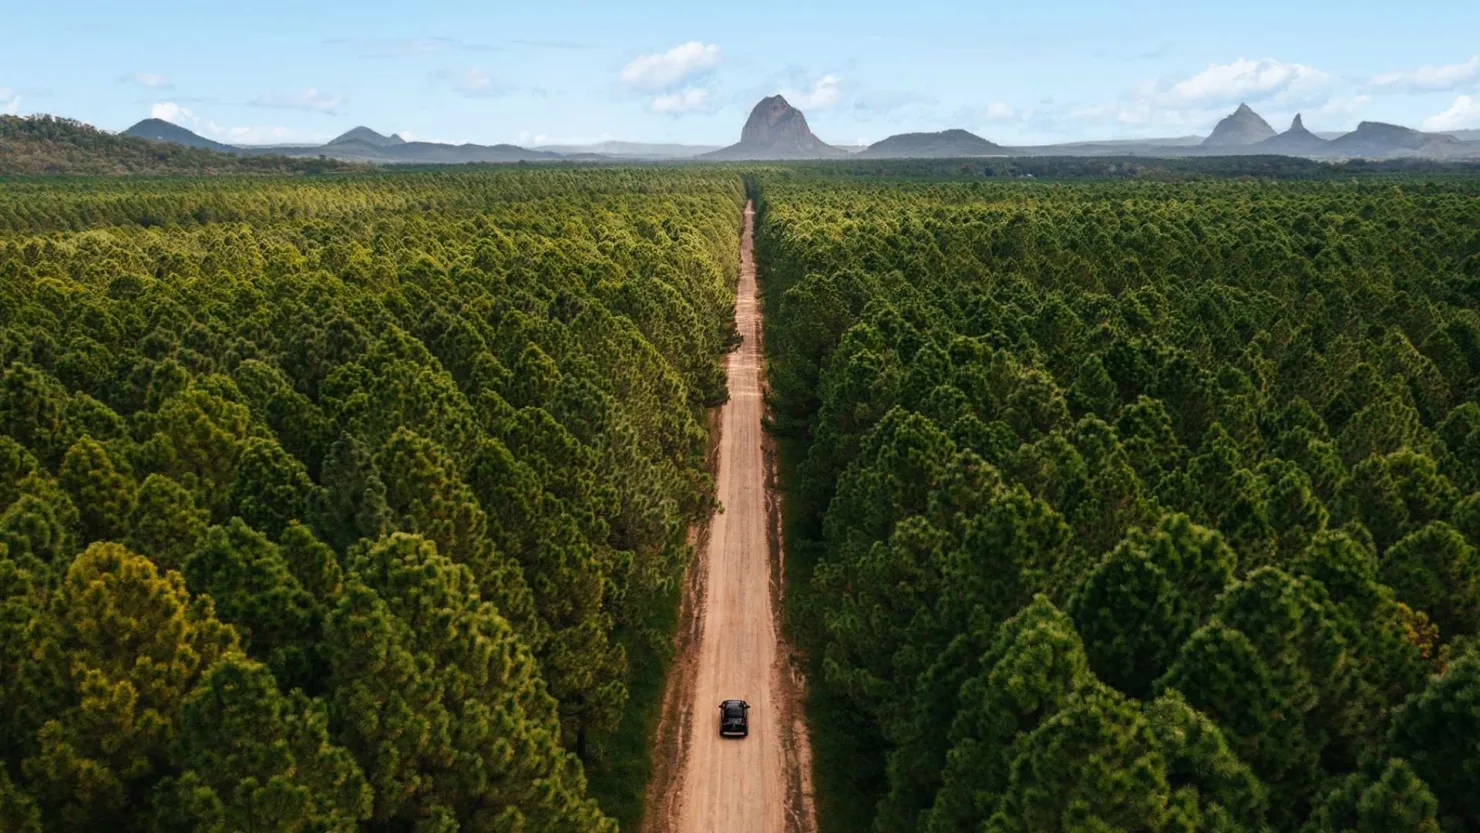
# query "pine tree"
(1095, 765)
(441, 704)
(351, 506)
(1146, 598)
(271, 488)
(166, 524)
(1437, 571)
(253, 759)
(258, 595)
(1438, 732)
(1037, 667)
(122, 648)
(1397, 800)
(104, 497)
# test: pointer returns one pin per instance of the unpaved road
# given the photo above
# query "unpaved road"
(730, 645)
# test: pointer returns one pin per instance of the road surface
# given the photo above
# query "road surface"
(732, 646)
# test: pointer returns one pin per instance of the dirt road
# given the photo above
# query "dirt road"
(731, 647)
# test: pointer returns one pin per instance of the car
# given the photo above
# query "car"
(734, 719)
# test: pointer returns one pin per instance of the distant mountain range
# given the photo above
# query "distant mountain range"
(631, 150)
(775, 130)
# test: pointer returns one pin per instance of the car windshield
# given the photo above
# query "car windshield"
(734, 710)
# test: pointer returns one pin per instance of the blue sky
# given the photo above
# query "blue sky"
(548, 71)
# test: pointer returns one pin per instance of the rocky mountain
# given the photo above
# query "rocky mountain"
(159, 130)
(776, 130)
(1242, 127)
(1376, 140)
(1297, 141)
(369, 137)
(944, 144)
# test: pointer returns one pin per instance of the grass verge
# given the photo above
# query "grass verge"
(620, 764)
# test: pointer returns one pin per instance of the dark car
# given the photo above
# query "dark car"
(734, 719)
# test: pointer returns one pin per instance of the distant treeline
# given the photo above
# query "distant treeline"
(1119, 167)
(51, 145)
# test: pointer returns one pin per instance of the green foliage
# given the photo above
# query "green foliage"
(104, 496)
(1436, 570)
(253, 759)
(1226, 427)
(1395, 800)
(441, 704)
(260, 596)
(121, 648)
(1146, 598)
(1438, 732)
(249, 384)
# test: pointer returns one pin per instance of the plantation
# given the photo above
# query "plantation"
(1143, 498)
(1132, 506)
(343, 503)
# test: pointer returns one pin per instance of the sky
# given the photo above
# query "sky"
(541, 72)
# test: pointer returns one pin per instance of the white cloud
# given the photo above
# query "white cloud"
(998, 111)
(1343, 106)
(529, 137)
(147, 80)
(1430, 78)
(686, 100)
(308, 98)
(173, 113)
(10, 101)
(654, 73)
(823, 94)
(474, 82)
(231, 134)
(1463, 113)
(1265, 79)
(417, 137)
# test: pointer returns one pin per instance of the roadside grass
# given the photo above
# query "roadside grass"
(848, 776)
(620, 764)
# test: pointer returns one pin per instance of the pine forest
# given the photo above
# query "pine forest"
(1116, 499)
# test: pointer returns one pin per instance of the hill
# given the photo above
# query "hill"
(1242, 127)
(1297, 141)
(944, 144)
(424, 153)
(369, 137)
(159, 130)
(1377, 140)
(50, 145)
(776, 130)
(630, 150)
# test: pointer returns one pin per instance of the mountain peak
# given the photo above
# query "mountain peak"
(159, 130)
(369, 137)
(1242, 127)
(776, 130)
(1297, 124)
(772, 120)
